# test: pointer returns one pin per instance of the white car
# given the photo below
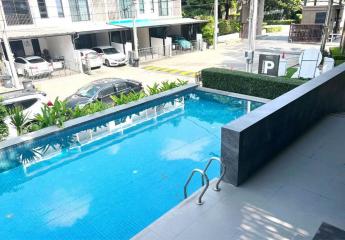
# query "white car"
(30, 101)
(33, 66)
(111, 56)
(91, 57)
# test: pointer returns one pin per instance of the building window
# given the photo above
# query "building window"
(320, 17)
(163, 7)
(17, 12)
(152, 6)
(59, 8)
(79, 10)
(141, 6)
(126, 8)
(43, 8)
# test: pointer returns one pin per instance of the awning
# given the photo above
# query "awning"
(140, 23)
(83, 27)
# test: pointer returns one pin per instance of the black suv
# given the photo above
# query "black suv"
(101, 90)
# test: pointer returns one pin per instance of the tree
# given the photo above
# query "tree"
(192, 8)
(290, 7)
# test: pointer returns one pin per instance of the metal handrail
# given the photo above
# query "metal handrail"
(204, 176)
(223, 170)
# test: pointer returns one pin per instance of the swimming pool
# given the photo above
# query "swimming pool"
(111, 178)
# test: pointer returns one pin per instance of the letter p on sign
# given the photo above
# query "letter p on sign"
(268, 65)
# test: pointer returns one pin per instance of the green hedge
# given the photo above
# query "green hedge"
(271, 29)
(247, 83)
(335, 53)
(280, 22)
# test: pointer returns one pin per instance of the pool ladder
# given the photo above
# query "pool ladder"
(204, 178)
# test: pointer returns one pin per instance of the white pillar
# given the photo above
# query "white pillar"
(215, 33)
(135, 32)
(252, 20)
(8, 49)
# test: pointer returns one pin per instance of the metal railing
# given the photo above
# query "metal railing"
(305, 32)
(60, 69)
(222, 173)
(204, 178)
(153, 53)
(195, 46)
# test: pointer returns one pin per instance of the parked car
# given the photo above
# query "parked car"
(91, 57)
(33, 66)
(181, 42)
(30, 101)
(111, 56)
(101, 90)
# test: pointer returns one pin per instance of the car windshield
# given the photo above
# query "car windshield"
(88, 91)
(110, 51)
(36, 60)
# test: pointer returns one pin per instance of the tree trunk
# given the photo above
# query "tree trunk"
(227, 9)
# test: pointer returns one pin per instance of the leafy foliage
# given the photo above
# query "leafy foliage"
(19, 119)
(54, 115)
(207, 29)
(126, 98)
(88, 109)
(227, 27)
(154, 89)
(247, 83)
(335, 53)
(3, 126)
(291, 7)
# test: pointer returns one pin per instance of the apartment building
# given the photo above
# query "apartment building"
(60, 27)
(315, 11)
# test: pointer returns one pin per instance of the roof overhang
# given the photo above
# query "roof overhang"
(50, 31)
(141, 23)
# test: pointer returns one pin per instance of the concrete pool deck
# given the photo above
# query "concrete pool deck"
(290, 198)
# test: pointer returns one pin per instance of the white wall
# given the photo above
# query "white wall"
(143, 38)
(118, 46)
(43, 43)
(168, 46)
(156, 42)
(28, 49)
(62, 46)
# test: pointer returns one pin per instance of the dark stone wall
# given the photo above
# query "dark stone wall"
(251, 141)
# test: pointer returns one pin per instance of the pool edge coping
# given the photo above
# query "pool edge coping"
(12, 142)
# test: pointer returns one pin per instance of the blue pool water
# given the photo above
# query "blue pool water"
(112, 178)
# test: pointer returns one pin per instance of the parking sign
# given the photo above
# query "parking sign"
(269, 64)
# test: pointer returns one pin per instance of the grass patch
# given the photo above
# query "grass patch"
(290, 72)
(272, 29)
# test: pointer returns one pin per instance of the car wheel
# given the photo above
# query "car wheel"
(107, 63)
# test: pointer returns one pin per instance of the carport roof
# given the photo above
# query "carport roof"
(128, 23)
(49, 31)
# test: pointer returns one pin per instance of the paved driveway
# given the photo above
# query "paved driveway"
(228, 55)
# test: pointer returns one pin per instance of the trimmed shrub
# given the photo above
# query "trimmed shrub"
(280, 22)
(335, 53)
(247, 83)
(272, 29)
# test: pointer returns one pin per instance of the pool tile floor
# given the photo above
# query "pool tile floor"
(289, 199)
